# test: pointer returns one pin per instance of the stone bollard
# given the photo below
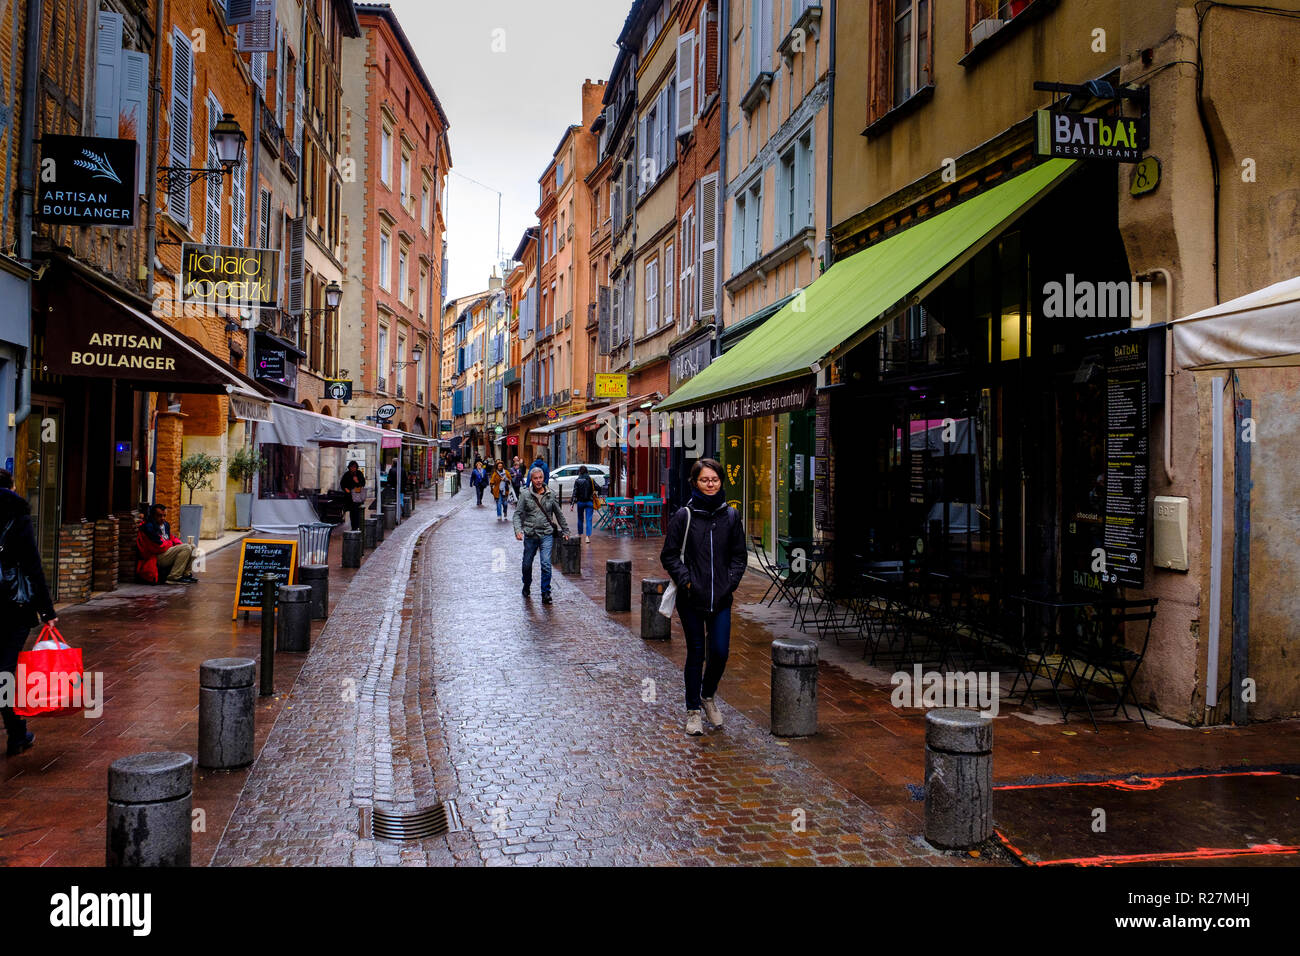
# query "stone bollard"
(372, 533)
(654, 626)
(958, 778)
(149, 807)
(352, 541)
(317, 577)
(294, 632)
(406, 506)
(618, 586)
(794, 687)
(226, 698)
(390, 516)
(570, 554)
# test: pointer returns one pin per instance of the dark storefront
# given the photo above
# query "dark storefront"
(985, 452)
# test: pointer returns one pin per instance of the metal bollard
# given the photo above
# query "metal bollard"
(372, 537)
(958, 778)
(794, 687)
(570, 554)
(618, 586)
(654, 626)
(268, 634)
(317, 577)
(390, 516)
(352, 549)
(406, 506)
(149, 807)
(294, 633)
(226, 712)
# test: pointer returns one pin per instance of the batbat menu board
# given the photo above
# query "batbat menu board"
(259, 556)
(1126, 463)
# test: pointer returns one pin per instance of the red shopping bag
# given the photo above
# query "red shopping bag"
(50, 675)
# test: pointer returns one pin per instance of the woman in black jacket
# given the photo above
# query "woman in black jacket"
(706, 571)
(18, 556)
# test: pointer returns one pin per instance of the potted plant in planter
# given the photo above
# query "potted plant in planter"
(196, 474)
(244, 464)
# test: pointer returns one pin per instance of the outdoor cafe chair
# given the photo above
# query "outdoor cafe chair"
(1100, 653)
(623, 517)
(649, 515)
(774, 571)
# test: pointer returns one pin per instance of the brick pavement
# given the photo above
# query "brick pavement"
(556, 731)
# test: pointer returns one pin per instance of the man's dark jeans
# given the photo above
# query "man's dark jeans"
(12, 640)
(531, 547)
(704, 629)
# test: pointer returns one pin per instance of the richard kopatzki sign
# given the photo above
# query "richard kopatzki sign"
(223, 275)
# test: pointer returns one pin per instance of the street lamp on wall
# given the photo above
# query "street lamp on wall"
(228, 140)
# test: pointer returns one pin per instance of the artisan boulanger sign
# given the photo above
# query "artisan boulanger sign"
(224, 275)
(87, 181)
(771, 400)
(1079, 136)
(119, 351)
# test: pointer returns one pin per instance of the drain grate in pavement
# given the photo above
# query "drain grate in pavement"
(409, 825)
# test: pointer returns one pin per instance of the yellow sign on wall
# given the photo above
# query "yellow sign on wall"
(611, 385)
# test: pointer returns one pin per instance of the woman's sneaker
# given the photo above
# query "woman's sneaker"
(694, 724)
(711, 712)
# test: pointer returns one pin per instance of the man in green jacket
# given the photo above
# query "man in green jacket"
(537, 520)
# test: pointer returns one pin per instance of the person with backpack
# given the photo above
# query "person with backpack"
(538, 519)
(584, 500)
(704, 553)
(24, 596)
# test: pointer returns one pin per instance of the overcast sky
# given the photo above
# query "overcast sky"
(507, 109)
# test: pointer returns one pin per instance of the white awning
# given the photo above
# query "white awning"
(297, 426)
(248, 406)
(1261, 328)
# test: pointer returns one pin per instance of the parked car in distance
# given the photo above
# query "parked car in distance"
(562, 479)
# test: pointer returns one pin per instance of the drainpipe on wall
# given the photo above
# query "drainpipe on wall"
(27, 185)
(830, 137)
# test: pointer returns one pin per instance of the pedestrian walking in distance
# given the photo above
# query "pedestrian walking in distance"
(584, 500)
(354, 483)
(501, 490)
(478, 481)
(24, 596)
(538, 519)
(704, 553)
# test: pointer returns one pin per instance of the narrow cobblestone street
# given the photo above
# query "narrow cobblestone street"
(560, 740)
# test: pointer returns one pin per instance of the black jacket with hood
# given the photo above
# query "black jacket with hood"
(20, 550)
(716, 556)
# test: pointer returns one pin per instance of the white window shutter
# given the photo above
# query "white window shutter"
(212, 216)
(670, 284)
(257, 66)
(182, 120)
(298, 112)
(238, 204)
(297, 242)
(134, 110)
(108, 72)
(685, 82)
(264, 220)
(707, 215)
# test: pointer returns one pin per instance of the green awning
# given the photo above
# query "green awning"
(862, 290)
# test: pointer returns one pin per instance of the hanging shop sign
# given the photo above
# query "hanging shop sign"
(611, 385)
(512, 440)
(339, 389)
(444, 425)
(229, 276)
(270, 365)
(1090, 136)
(247, 409)
(689, 362)
(386, 412)
(1146, 177)
(1127, 440)
(87, 181)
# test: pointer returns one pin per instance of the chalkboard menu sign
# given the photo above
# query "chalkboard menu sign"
(1127, 429)
(259, 556)
(822, 512)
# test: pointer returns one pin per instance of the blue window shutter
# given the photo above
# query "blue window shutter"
(133, 110)
(108, 72)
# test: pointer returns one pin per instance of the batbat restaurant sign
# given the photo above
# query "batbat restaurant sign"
(87, 181)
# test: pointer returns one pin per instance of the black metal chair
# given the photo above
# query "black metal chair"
(1104, 659)
(775, 572)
